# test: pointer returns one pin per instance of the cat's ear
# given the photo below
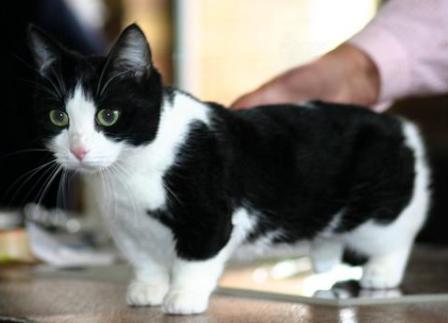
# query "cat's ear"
(131, 52)
(45, 50)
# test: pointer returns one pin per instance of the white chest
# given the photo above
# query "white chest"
(123, 202)
(135, 191)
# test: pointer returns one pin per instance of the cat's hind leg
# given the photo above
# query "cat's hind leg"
(386, 270)
(387, 247)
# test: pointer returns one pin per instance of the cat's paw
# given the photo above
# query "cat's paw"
(325, 255)
(380, 293)
(185, 302)
(145, 293)
(380, 276)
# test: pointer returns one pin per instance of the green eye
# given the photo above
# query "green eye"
(107, 117)
(58, 118)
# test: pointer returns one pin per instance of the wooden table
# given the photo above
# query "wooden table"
(53, 296)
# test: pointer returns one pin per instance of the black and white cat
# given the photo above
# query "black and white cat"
(182, 183)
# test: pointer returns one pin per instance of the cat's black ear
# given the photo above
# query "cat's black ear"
(45, 50)
(131, 52)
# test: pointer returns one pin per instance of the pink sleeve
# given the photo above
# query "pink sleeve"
(408, 41)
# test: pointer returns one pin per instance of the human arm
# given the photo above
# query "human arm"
(403, 51)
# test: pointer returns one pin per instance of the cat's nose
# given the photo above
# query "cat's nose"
(79, 152)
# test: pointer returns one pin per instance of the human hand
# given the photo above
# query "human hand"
(344, 75)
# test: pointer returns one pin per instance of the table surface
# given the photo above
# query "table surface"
(45, 295)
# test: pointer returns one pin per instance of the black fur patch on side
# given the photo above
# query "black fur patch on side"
(296, 168)
(198, 209)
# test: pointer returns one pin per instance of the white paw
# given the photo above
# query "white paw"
(379, 276)
(332, 294)
(146, 294)
(380, 293)
(185, 302)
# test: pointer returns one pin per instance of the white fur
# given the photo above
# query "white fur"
(258, 247)
(327, 248)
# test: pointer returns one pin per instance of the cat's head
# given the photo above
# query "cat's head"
(91, 110)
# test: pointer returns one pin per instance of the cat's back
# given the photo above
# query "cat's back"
(319, 129)
(317, 118)
(287, 157)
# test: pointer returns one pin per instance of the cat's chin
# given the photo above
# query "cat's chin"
(86, 169)
(90, 170)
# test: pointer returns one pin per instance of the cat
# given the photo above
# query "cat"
(183, 183)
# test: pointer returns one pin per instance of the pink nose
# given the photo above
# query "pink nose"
(79, 152)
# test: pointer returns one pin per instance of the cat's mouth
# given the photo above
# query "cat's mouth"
(85, 167)
(89, 169)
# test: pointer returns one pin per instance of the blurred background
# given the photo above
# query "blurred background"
(217, 50)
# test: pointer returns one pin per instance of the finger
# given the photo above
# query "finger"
(243, 102)
(255, 98)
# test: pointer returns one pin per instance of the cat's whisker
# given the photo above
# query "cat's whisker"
(42, 180)
(37, 182)
(114, 171)
(37, 72)
(48, 184)
(55, 88)
(131, 196)
(62, 190)
(171, 192)
(100, 206)
(112, 194)
(26, 177)
(120, 169)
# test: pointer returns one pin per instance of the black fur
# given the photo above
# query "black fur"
(295, 166)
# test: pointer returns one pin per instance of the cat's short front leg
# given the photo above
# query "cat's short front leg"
(149, 286)
(191, 286)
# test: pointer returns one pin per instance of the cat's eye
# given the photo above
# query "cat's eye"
(58, 118)
(107, 117)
